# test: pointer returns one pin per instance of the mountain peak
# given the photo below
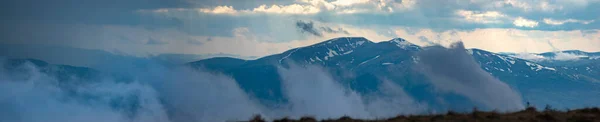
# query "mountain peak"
(355, 41)
(397, 40)
(402, 43)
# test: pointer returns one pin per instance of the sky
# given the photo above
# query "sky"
(264, 27)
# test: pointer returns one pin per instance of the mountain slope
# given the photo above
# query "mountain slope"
(362, 65)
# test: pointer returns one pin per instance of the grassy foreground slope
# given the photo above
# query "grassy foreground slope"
(527, 115)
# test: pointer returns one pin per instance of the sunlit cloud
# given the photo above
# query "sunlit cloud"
(219, 10)
(481, 17)
(289, 9)
(560, 22)
(507, 40)
(522, 22)
(307, 7)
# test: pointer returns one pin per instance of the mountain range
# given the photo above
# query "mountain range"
(364, 66)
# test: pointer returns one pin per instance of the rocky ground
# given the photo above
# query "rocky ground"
(527, 115)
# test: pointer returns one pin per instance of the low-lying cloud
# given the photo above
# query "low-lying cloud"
(453, 70)
(181, 94)
(39, 97)
(313, 92)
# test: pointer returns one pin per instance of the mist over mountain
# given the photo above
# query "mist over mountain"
(342, 76)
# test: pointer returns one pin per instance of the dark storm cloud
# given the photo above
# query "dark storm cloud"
(453, 70)
(84, 11)
(308, 27)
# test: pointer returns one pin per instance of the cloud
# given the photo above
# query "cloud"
(156, 94)
(308, 27)
(182, 94)
(529, 56)
(548, 6)
(37, 97)
(439, 64)
(312, 91)
(522, 22)
(306, 7)
(287, 9)
(561, 56)
(567, 56)
(330, 30)
(272, 9)
(326, 97)
(348, 2)
(216, 10)
(195, 42)
(531, 6)
(560, 22)
(481, 17)
(197, 95)
(154, 41)
(393, 101)
(507, 40)
(497, 17)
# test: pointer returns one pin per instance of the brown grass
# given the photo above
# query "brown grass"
(528, 115)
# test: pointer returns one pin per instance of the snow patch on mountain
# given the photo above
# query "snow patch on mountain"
(403, 44)
(289, 54)
(538, 67)
(507, 59)
(470, 51)
(368, 60)
(348, 52)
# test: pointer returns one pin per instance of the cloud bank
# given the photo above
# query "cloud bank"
(179, 94)
(452, 70)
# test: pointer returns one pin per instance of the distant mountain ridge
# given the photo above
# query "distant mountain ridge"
(362, 64)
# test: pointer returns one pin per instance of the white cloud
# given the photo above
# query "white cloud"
(561, 56)
(522, 22)
(307, 7)
(287, 9)
(536, 5)
(219, 10)
(349, 2)
(549, 6)
(351, 11)
(529, 56)
(322, 3)
(481, 17)
(567, 56)
(507, 40)
(560, 22)
(276, 9)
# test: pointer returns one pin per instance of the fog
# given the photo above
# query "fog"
(37, 97)
(158, 93)
(313, 92)
(178, 94)
(453, 70)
